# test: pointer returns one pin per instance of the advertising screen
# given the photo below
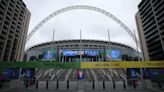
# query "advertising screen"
(133, 73)
(28, 73)
(10, 73)
(92, 52)
(76, 52)
(70, 53)
(113, 54)
(49, 54)
(153, 74)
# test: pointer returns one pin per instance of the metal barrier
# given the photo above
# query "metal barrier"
(94, 71)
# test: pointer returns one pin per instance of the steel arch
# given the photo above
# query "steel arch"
(81, 7)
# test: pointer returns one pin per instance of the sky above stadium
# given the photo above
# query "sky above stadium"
(93, 25)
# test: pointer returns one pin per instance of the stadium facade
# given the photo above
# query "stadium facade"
(81, 50)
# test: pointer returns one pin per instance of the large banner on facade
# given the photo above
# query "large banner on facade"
(113, 54)
(48, 55)
(64, 52)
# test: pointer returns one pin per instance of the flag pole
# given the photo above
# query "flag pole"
(52, 44)
(80, 47)
(51, 52)
(109, 49)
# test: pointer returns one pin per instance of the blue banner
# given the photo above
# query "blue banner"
(10, 73)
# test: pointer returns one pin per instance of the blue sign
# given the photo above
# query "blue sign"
(70, 53)
(10, 73)
(28, 73)
(92, 52)
(133, 73)
(48, 55)
(7, 73)
(153, 74)
(113, 55)
(75, 52)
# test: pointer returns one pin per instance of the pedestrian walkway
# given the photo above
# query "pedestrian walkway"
(62, 90)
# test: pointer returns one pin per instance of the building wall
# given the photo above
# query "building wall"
(14, 21)
(152, 17)
(142, 37)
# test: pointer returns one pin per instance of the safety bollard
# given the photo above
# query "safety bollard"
(114, 84)
(37, 84)
(57, 84)
(124, 84)
(159, 84)
(134, 84)
(47, 85)
(1, 86)
(103, 85)
(67, 84)
(93, 85)
(26, 84)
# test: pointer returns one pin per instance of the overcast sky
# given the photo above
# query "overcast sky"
(94, 25)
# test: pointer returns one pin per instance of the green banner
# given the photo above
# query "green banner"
(57, 65)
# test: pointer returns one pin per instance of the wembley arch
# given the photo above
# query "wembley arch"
(81, 7)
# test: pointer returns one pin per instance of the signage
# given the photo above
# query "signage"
(28, 74)
(10, 73)
(69, 65)
(133, 73)
(123, 64)
(49, 54)
(113, 55)
(57, 65)
(76, 53)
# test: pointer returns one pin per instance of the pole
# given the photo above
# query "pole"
(57, 84)
(80, 47)
(109, 49)
(52, 44)
(52, 51)
(59, 54)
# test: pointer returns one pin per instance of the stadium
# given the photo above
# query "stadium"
(87, 50)
(81, 51)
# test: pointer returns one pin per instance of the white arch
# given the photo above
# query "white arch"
(81, 7)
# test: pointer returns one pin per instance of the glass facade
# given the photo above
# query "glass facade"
(73, 54)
